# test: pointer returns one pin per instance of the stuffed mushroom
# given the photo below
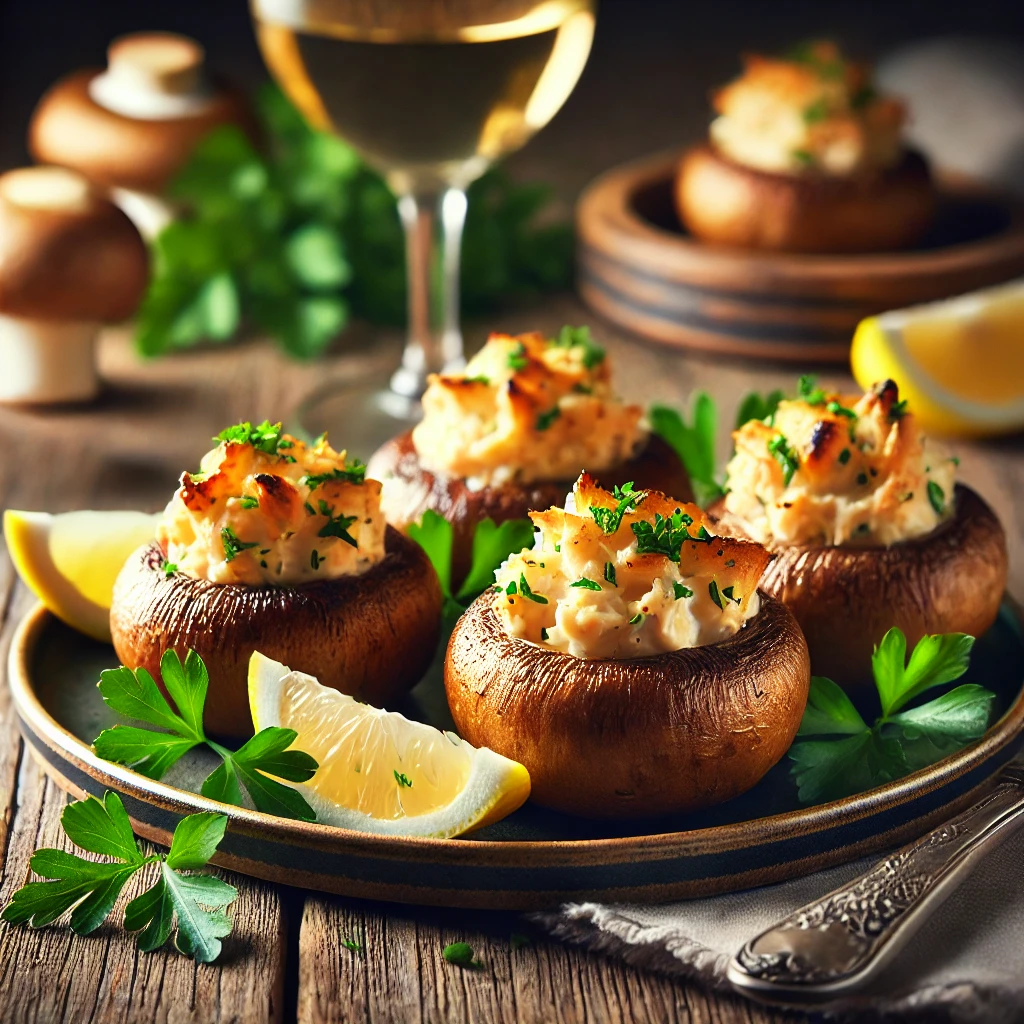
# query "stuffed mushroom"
(512, 432)
(282, 547)
(805, 155)
(868, 525)
(629, 660)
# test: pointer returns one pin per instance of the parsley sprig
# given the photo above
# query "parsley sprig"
(848, 756)
(266, 437)
(667, 534)
(694, 442)
(134, 693)
(579, 337)
(492, 544)
(180, 900)
(627, 498)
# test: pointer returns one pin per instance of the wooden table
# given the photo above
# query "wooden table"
(285, 960)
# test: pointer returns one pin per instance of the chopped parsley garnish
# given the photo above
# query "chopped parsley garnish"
(844, 456)
(667, 535)
(512, 589)
(545, 419)
(730, 563)
(558, 547)
(937, 497)
(627, 498)
(315, 559)
(862, 479)
(816, 112)
(715, 595)
(954, 460)
(778, 448)
(336, 526)
(898, 410)
(248, 501)
(584, 584)
(840, 410)
(807, 390)
(461, 954)
(680, 590)
(267, 437)
(543, 633)
(517, 358)
(637, 619)
(525, 591)
(352, 945)
(727, 592)
(404, 782)
(609, 573)
(801, 156)
(579, 337)
(353, 474)
(232, 545)
(863, 97)
(169, 568)
(478, 379)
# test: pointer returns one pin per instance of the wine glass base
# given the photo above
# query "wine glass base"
(358, 416)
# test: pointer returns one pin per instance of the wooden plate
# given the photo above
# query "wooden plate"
(640, 269)
(534, 858)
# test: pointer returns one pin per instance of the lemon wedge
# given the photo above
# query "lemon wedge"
(70, 561)
(380, 772)
(960, 362)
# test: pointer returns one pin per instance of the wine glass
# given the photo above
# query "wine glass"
(430, 93)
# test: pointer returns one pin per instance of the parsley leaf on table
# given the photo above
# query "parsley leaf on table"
(195, 903)
(492, 544)
(848, 756)
(134, 693)
(694, 442)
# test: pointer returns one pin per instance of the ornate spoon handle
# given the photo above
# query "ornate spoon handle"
(836, 944)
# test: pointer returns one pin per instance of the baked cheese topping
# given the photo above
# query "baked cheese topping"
(266, 508)
(527, 408)
(625, 574)
(813, 112)
(834, 469)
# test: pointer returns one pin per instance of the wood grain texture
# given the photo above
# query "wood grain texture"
(156, 419)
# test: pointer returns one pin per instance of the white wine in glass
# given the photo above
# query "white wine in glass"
(430, 93)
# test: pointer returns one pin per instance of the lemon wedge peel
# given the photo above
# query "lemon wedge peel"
(70, 560)
(880, 350)
(494, 788)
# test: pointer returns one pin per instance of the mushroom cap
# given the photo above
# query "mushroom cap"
(69, 127)
(727, 203)
(603, 738)
(371, 635)
(66, 251)
(410, 489)
(846, 598)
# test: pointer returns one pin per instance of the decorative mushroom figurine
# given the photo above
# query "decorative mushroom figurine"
(70, 260)
(133, 126)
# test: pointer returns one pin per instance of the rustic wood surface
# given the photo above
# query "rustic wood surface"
(286, 960)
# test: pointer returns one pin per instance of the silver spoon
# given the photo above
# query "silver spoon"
(840, 942)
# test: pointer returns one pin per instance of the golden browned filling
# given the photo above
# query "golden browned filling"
(834, 469)
(811, 112)
(266, 508)
(626, 573)
(527, 408)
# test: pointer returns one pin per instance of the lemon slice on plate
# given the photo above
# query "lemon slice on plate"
(70, 561)
(960, 362)
(380, 772)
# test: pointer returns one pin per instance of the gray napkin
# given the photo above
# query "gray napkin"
(965, 965)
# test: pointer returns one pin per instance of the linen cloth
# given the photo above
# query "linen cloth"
(965, 965)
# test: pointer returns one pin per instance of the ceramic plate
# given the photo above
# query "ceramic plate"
(534, 858)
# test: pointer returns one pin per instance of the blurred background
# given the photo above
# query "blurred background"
(645, 85)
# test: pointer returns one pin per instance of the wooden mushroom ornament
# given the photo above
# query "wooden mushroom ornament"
(132, 126)
(70, 260)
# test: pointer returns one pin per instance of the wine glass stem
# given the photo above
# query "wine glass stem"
(435, 340)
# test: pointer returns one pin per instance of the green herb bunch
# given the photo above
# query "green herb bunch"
(294, 240)
(134, 693)
(848, 756)
(180, 900)
(492, 544)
